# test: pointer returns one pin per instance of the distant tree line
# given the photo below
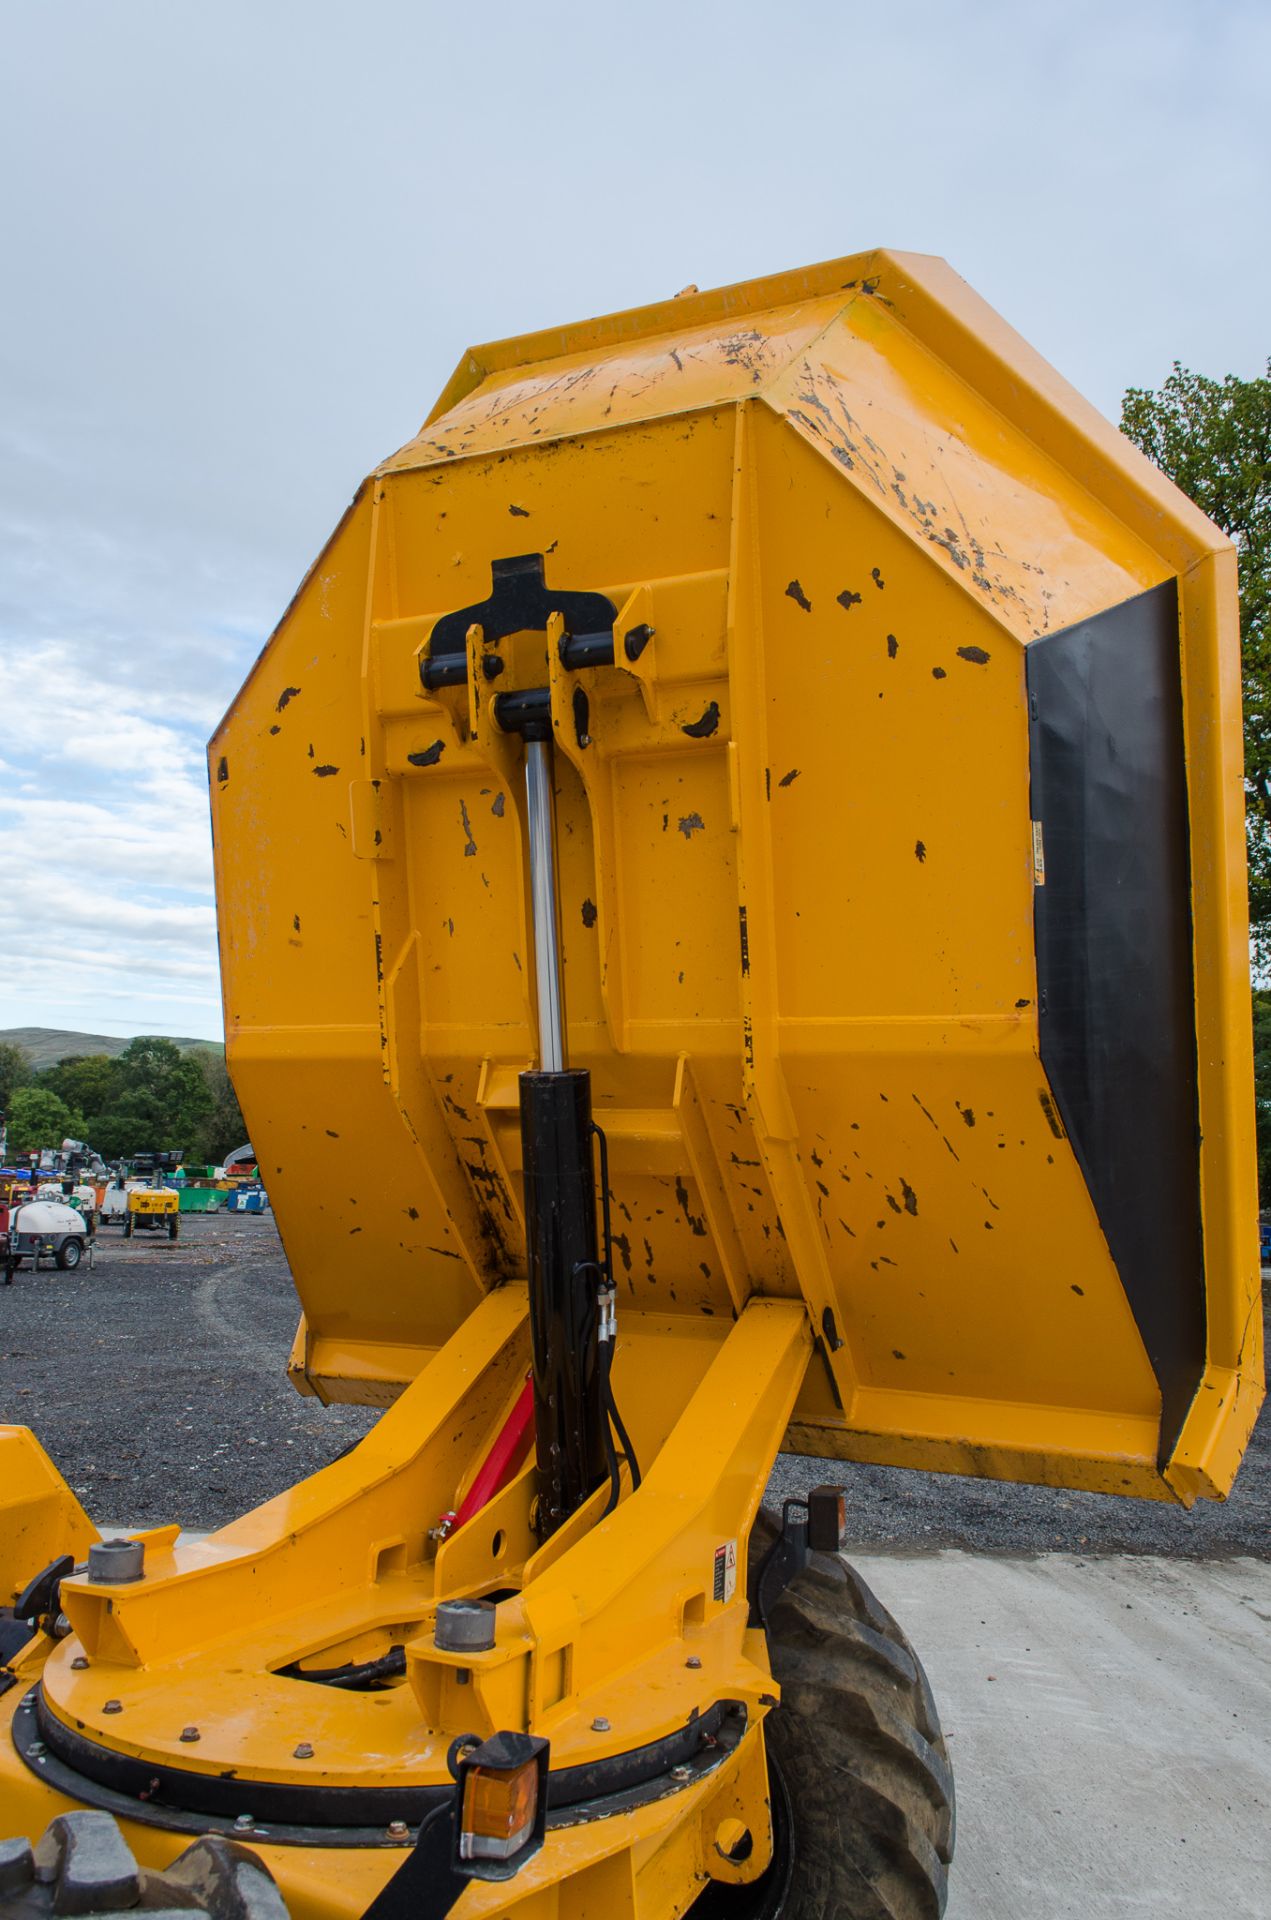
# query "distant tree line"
(149, 1098)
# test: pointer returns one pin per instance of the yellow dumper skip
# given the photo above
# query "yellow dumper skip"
(843, 512)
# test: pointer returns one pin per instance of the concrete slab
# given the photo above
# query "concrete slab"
(1110, 1727)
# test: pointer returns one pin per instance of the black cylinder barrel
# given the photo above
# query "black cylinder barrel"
(560, 1234)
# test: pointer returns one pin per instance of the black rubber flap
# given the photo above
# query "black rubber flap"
(1114, 959)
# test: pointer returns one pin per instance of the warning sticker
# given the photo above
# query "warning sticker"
(725, 1585)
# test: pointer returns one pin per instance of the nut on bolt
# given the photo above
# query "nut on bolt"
(398, 1830)
(600, 1725)
(303, 1752)
(190, 1735)
(113, 1706)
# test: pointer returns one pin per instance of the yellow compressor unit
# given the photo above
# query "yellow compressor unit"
(151, 1208)
(747, 843)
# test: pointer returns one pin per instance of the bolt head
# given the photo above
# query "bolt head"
(600, 1726)
(113, 1706)
(36, 1749)
(79, 1663)
(681, 1773)
(244, 1821)
(398, 1830)
(189, 1735)
(693, 1662)
(303, 1752)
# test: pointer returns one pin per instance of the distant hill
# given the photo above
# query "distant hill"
(47, 1045)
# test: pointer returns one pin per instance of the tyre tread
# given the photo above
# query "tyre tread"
(858, 1738)
(83, 1865)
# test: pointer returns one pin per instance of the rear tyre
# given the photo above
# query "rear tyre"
(127, 1226)
(857, 1742)
(174, 1228)
(69, 1255)
(83, 1865)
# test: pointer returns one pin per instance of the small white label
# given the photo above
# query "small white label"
(1039, 856)
(725, 1582)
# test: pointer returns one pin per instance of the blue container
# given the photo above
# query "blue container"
(248, 1200)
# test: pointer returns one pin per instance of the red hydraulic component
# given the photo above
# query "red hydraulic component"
(499, 1466)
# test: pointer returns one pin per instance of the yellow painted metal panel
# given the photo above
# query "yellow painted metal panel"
(40, 1518)
(957, 476)
(797, 868)
(685, 370)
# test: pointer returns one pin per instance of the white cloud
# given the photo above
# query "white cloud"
(105, 853)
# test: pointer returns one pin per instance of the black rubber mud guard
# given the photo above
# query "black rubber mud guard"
(1116, 994)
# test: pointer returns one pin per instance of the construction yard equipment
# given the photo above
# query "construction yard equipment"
(113, 1211)
(45, 1229)
(140, 1200)
(747, 846)
(153, 1208)
(205, 1196)
(79, 1195)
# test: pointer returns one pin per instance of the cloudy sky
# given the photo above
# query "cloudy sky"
(244, 245)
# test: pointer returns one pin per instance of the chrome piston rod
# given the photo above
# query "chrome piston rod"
(543, 905)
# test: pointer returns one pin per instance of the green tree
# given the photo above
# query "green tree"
(84, 1081)
(1262, 1085)
(37, 1118)
(224, 1127)
(15, 1072)
(157, 1099)
(1213, 439)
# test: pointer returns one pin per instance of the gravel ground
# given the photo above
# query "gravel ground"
(156, 1382)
